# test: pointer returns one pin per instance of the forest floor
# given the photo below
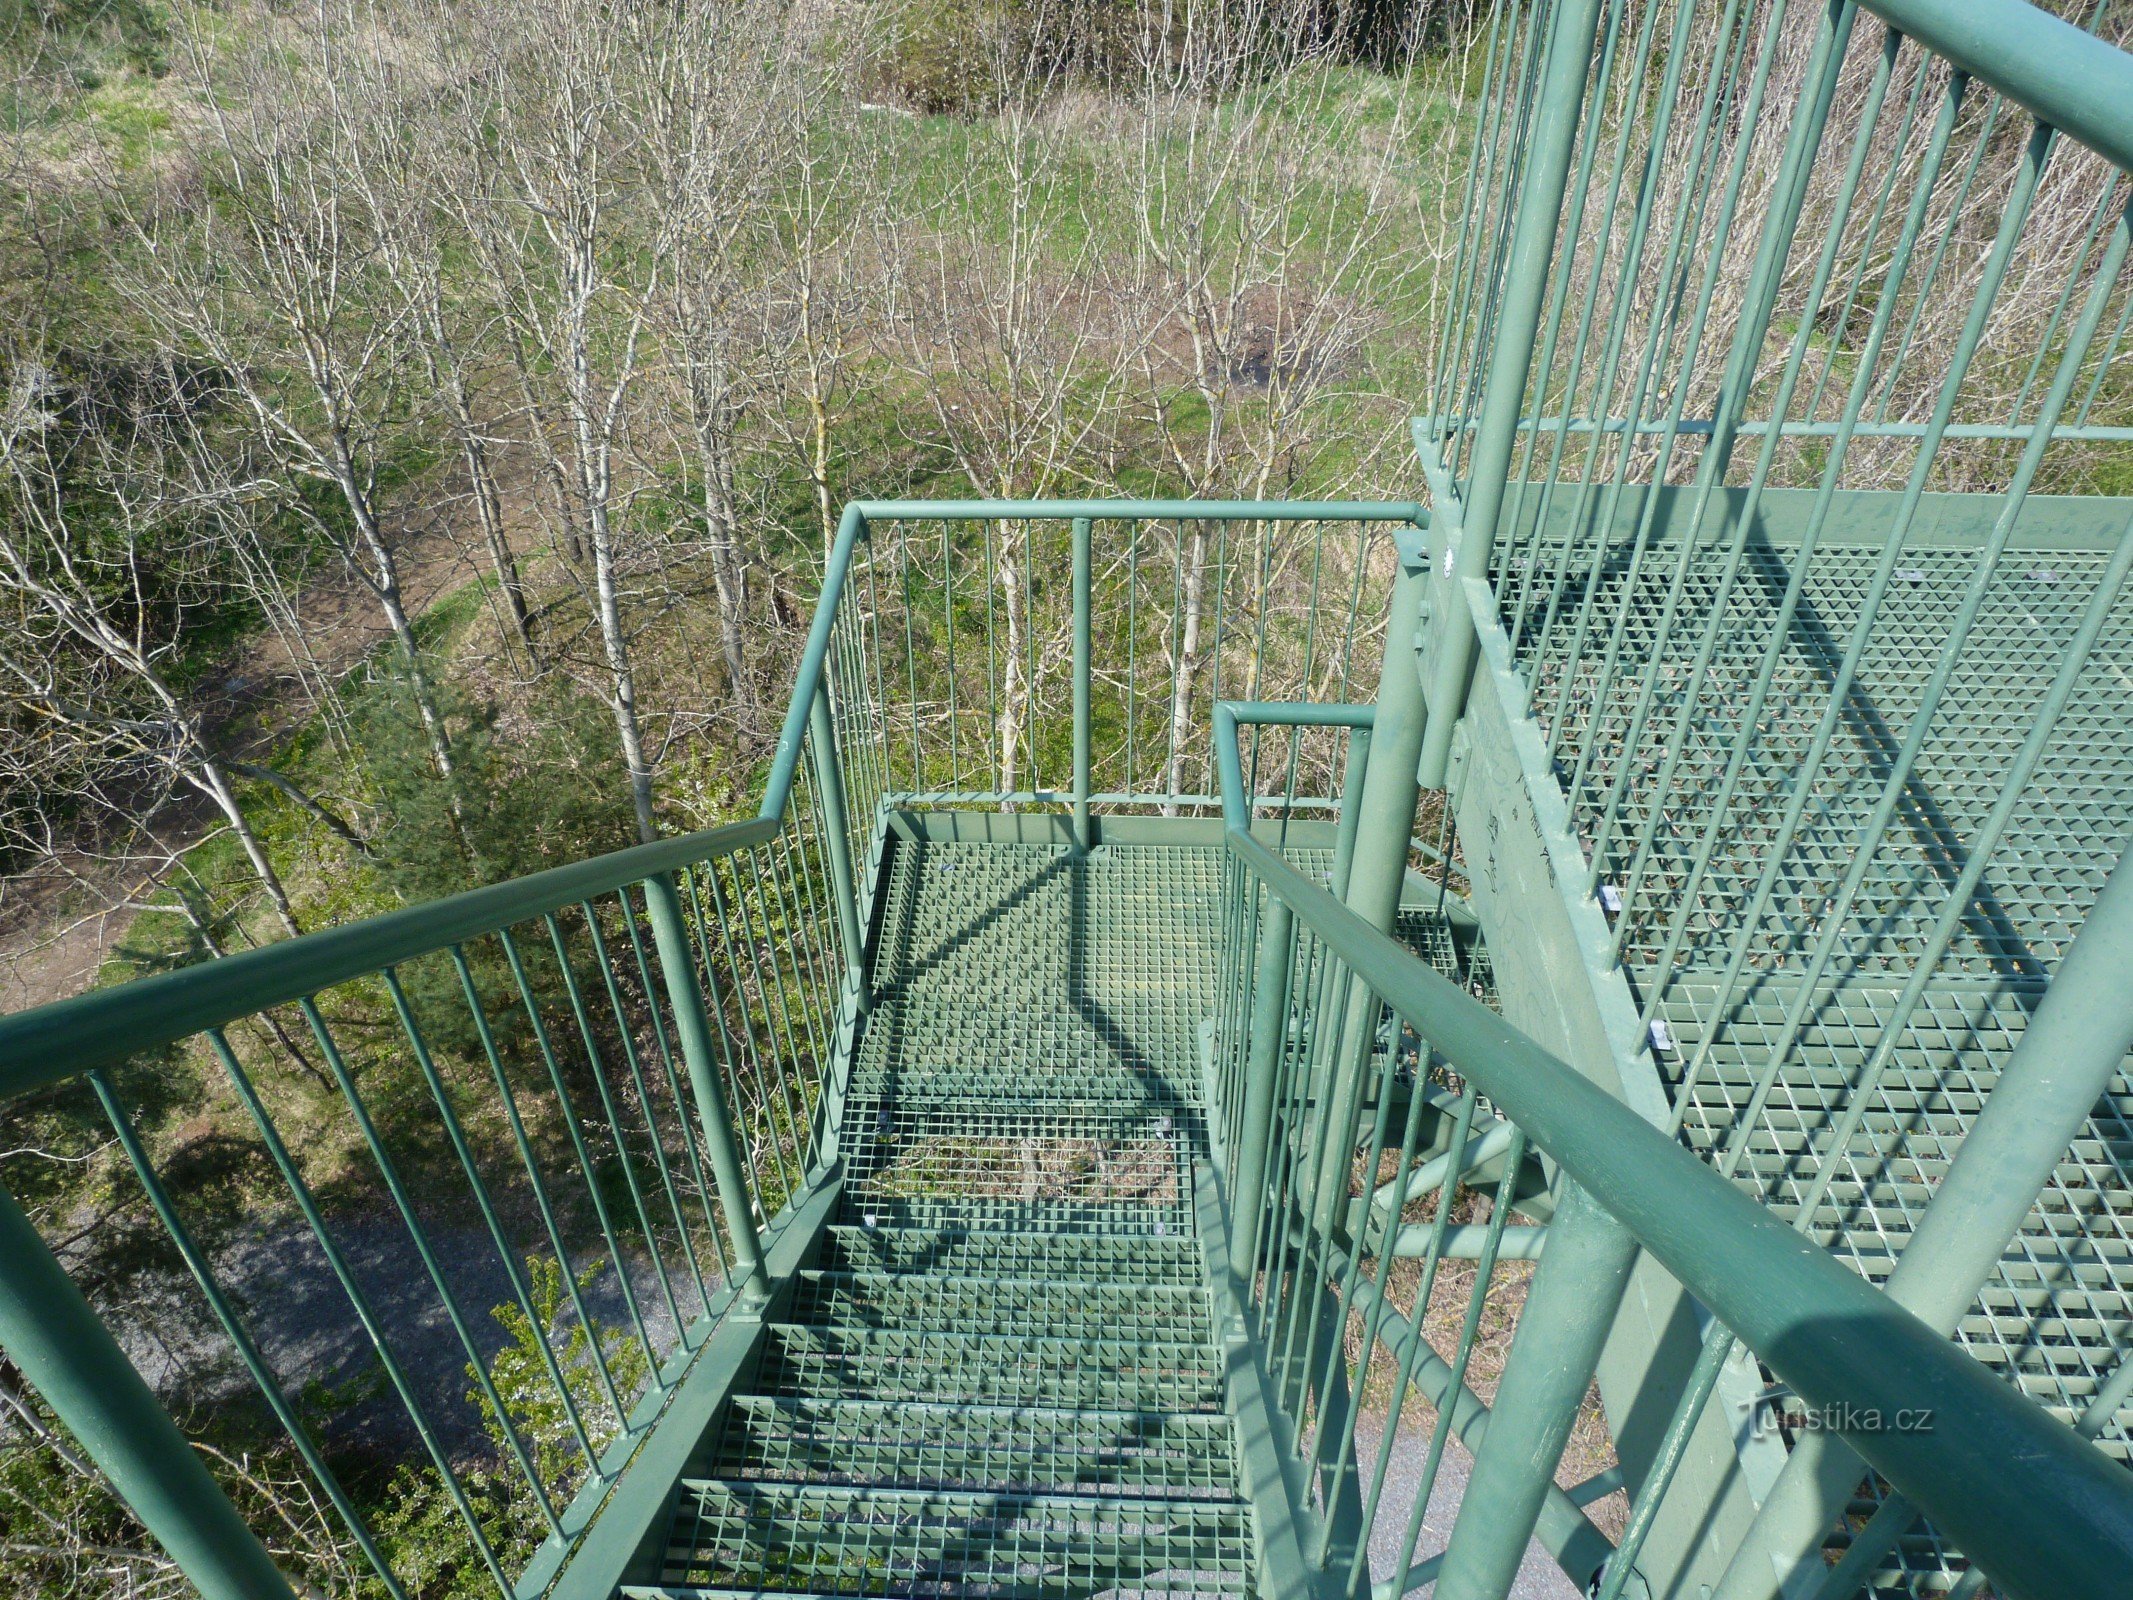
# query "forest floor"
(297, 1311)
(62, 920)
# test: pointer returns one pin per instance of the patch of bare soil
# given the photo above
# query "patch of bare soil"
(60, 920)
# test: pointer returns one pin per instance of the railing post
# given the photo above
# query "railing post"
(1540, 206)
(1376, 868)
(51, 1333)
(1083, 581)
(2072, 1048)
(829, 796)
(1270, 1036)
(1568, 1314)
(693, 1027)
(1351, 809)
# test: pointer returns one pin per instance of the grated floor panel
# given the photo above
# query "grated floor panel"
(2058, 1317)
(998, 1379)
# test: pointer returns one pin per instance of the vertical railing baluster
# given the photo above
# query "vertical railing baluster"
(366, 1315)
(1540, 206)
(830, 803)
(1083, 577)
(516, 1121)
(1377, 860)
(514, 1272)
(693, 1029)
(644, 1100)
(1269, 1040)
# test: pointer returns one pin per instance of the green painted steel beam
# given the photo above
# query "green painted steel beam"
(692, 1027)
(1376, 873)
(1568, 1311)
(1562, 1528)
(636, 1507)
(63, 1348)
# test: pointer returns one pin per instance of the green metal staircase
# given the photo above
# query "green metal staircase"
(999, 1375)
(1202, 970)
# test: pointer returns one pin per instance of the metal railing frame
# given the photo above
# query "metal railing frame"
(2058, 1519)
(73, 1360)
(2073, 84)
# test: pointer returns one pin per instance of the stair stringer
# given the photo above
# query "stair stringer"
(1549, 942)
(626, 1537)
(623, 1544)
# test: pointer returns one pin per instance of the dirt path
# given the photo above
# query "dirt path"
(60, 921)
(307, 1331)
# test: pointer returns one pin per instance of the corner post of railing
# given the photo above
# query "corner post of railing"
(837, 838)
(1384, 819)
(60, 1344)
(692, 1026)
(1568, 1314)
(1084, 561)
(1540, 207)
(2070, 1051)
(1270, 1032)
(1351, 807)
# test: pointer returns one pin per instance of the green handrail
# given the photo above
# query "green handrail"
(729, 1027)
(860, 515)
(76, 1036)
(2032, 1502)
(2080, 84)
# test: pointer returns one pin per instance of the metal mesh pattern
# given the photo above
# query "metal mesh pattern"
(1076, 1308)
(1017, 1255)
(2059, 844)
(2061, 1305)
(909, 1364)
(892, 1542)
(1463, 958)
(1021, 1449)
(999, 1380)
(2060, 1311)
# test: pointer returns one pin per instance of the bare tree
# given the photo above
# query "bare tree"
(269, 273)
(416, 162)
(719, 142)
(824, 287)
(88, 652)
(556, 214)
(1271, 243)
(999, 319)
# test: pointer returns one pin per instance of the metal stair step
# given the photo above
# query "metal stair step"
(1018, 1449)
(951, 1215)
(787, 1539)
(999, 1156)
(979, 1305)
(898, 1364)
(1137, 1259)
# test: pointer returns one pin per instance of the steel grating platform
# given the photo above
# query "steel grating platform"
(998, 1378)
(2059, 1315)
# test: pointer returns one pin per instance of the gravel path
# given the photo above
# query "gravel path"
(301, 1319)
(1539, 1578)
